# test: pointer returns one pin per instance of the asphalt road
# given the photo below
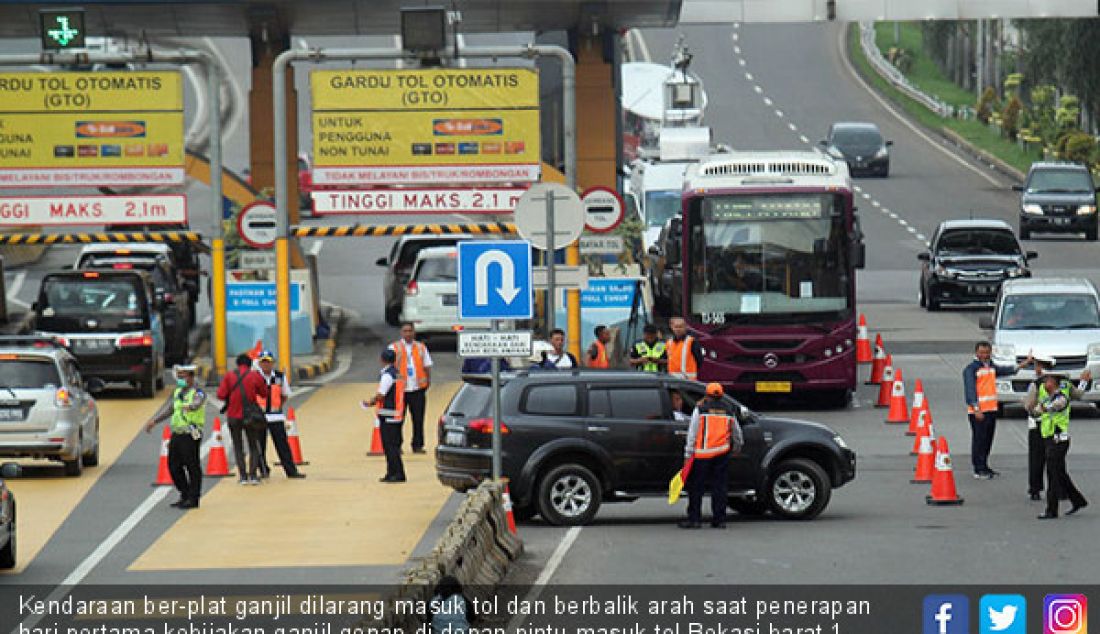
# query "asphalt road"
(779, 87)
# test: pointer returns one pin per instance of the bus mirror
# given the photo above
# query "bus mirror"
(859, 255)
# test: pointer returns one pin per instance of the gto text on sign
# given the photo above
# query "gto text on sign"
(93, 210)
(447, 201)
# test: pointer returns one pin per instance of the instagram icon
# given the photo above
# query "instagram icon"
(1065, 614)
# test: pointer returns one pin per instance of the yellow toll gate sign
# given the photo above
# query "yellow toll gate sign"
(379, 127)
(91, 129)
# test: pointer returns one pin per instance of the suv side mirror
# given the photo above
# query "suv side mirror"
(745, 414)
(1031, 255)
(985, 322)
(94, 385)
(1017, 188)
(381, 262)
(859, 255)
(924, 256)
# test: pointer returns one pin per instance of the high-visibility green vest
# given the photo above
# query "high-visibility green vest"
(652, 353)
(1054, 422)
(182, 417)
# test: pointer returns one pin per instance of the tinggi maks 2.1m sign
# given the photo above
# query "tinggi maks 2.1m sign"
(387, 127)
(91, 129)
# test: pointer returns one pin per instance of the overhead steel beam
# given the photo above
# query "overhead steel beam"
(753, 11)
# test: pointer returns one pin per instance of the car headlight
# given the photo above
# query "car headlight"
(840, 442)
(1085, 210)
(943, 271)
(1005, 353)
(882, 152)
(1032, 209)
(1015, 271)
(1094, 349)
(835, 153)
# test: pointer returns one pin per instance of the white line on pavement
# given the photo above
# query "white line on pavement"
(547, 572)
(758, 90)
(315, 250)
(737, 49)
(804, 139)
(793, 127)
(748, 76)
(17, 283)
(920, 236)
(875, 203)
(741, 62)
(768, 101)
(779, 113)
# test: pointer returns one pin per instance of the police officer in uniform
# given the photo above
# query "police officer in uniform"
(648, 355)
(1052, 408)
(278, 391)
(712, 436)
(187, 412)
(390, 404)
(1036, 453)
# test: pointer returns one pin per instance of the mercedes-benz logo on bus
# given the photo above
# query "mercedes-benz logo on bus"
(771, 360)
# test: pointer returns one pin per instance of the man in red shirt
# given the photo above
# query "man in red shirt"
(230, 392)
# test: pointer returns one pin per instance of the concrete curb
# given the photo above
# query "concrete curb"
(950, 135)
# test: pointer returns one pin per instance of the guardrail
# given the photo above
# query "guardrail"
(891, 74)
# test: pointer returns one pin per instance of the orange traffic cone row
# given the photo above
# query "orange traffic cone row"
(886, 386)
(878, 362)
(863, 343)
(924, 428)
(376, 439)
(507, 502)
(163, 477)
(918, 404)
(943, 478)
(926, 460)
(293, 438)
(899, 409)
(217, 464)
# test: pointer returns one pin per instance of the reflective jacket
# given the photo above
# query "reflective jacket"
(980, 385)
(187, 410)
(1055, 408)
(651, 353)
(601, 360)
(392, 408)
(713, 431)
(418, 354)
(681, 359)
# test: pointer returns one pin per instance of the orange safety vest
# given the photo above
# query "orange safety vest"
(681, 362)
(601, 356)
(713, 436)
(403, 362)
(986, 387)
(276, 399)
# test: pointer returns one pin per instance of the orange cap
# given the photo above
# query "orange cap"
(715, 389)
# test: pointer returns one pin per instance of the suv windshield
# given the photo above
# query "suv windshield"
(444, 269)
(27, 373)
(978, 242)
(1059, 181)
(1049, 312)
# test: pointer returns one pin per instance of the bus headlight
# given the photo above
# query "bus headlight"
(1032, 209)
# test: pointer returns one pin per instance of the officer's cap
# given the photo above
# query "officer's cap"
(266, 355)
(189, 368)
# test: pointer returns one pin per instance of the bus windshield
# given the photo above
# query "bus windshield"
(768, 258)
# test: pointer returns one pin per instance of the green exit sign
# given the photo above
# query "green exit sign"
(62, 29)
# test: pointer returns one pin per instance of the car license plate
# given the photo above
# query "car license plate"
(985, 290)
(773, 386)
(450, 300)
(1061, 221)
(94, 345)
(455, 439)
(11, 414)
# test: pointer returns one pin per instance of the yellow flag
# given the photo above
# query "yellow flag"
(676, 485)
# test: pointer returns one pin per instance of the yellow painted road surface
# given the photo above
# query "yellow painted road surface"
(45, 496)
(340, 515)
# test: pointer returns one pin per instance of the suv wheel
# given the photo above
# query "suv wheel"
(7, 553)
(75, 467)
(798, 490)
(569, 495)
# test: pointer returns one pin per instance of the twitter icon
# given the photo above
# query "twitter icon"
(1002, 614)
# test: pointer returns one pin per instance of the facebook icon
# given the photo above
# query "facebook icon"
(946, 614)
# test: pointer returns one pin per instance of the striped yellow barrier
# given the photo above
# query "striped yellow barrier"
(363, 231)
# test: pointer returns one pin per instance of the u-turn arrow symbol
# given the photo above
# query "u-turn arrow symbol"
(507, 289)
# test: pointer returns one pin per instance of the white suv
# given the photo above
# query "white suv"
(431, 294)
(1056, 318)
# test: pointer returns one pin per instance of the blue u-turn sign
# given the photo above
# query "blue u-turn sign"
(494, 280)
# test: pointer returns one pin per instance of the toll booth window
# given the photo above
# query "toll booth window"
(29, 374)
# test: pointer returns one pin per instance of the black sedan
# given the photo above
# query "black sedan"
(861, 146)
(968, 260)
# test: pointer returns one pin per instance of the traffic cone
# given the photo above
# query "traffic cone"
(217, 464)
(918, 404)
(163, 477)
(926, 458)
(292, 437)
(863, 344)
(886, 385)
(924, 428)
(899, 409)
(943, 478)
(376, 439)
(256, 349)
(878, 362)
(508, 510)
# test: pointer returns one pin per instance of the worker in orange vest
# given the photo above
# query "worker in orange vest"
(414, 368)
(980, 391)
(597, 352)
(712, 436)
(274, 406)
(389, 401)
(685, 355)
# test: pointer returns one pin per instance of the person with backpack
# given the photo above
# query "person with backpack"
(241, 390)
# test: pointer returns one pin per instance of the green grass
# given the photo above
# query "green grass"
(927, 76)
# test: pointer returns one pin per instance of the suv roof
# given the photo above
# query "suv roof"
(979, 223)
(1057, 165)
(45, 346)
(1048, 285)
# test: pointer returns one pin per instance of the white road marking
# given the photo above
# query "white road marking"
(315, 250)
(748, 76)
(779, 113)
(804, 139)
(912, 230)
(768, 101)
(793, 127)
(865, 195)
(17, 283)
(737, 49)
(875, 203)
(920, 236)
(902, 222)
(858, 188)
(758, 90)
(548, 571)
(741, 62)
(893, 215)
(841, 42)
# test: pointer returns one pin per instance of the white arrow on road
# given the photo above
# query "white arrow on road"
(507, 289)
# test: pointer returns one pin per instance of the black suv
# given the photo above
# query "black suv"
(1058, 197)
(575, 439)
(967, 261)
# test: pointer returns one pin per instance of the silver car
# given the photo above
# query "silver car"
(1056, 318)
(46, 410)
